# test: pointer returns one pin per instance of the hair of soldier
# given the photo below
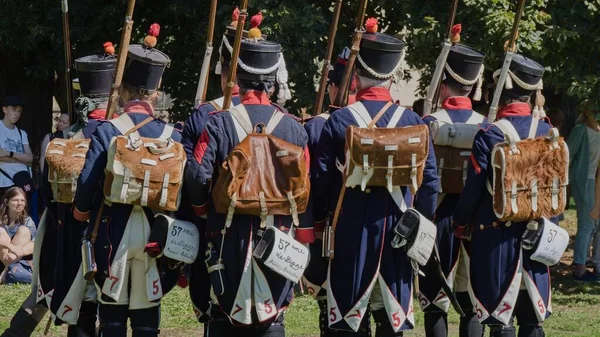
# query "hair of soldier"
(456, 90)
(506, 99)
(131, 94)
(248, 85)
(367, 82)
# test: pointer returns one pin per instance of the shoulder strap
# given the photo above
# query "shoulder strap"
(379, 114)
(508, 129)
(217, 103)
(167, 132)
(274, 121)
(396, 117)
(442, 116)
(533, 127)
(324, 115)
(475, 118)
(360, 114)
(126, 126)
(241, 121)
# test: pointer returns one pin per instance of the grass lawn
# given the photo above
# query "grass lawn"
(576, 308)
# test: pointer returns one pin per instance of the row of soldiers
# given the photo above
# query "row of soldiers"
(234, 293)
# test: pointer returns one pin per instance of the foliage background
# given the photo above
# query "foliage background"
(563, 35)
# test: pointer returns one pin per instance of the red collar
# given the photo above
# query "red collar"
(514, 110)
(99, 114)
(236, 90)
(139, 107)
(256, 97)
(457, 103)
(374, 94)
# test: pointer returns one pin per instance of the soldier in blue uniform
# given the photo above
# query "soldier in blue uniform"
(234, 312)
(74, 299)
(193, 127)
(505, 282)
(129, 282)
(366, 268)
(463, 70)
(316, 272)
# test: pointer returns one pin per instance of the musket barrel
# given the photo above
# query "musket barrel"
(123, 49)
(235, 54)
(325, 70)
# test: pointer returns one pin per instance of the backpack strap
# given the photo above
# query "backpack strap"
(379, 114)
(275, 119)
(442, 116)
(217, 103)
(396, 117)
(475, 118)
(508, 129)
(241, 121)
(324, 115)
(126, 126)
(167, 132)
(360, 114)
(533, 127)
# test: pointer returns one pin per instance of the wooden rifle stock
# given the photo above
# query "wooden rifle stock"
(123, 49)
(510, 52)
(204, 73)
(68, 61)
(325, 70)
(341, 98)
(235, 53)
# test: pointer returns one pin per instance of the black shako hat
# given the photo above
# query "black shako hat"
(523, 79)
(144, 69)
(259, 60)
(96, 74)
(464, 66)
(335, 75)
(379, 56)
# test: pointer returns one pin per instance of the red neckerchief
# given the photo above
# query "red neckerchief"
(457, 103)
(514, 110)
(99, 114)
(374, 94)
(256, 97)
(139, 107)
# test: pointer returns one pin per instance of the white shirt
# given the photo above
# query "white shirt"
(12, 140)
(594, 144)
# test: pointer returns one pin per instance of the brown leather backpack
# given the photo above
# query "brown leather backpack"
(263, 175)
(391, 156)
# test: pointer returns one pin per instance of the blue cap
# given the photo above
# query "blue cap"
(13, 101)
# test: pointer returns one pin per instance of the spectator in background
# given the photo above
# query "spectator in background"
(584, 155)
(15, 153)
(63, 127)
(17, 234)
(418, 106)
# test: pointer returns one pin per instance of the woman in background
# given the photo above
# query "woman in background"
(17, 234)
(584, 153)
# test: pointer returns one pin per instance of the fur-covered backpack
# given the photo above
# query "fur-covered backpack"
(530, 176)
(144, 171)
(65, 158)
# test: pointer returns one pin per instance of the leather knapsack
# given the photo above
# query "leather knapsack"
(144, 171)
(391, 156)
(452, 143)
(530, 176)
(263, 175)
